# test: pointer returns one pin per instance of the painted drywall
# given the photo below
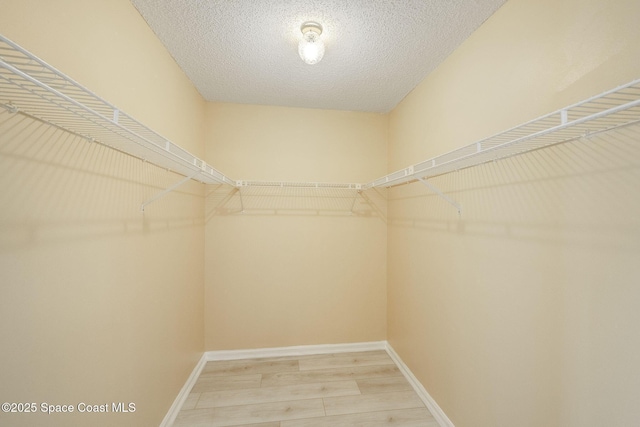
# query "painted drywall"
(523, 311)
(99, 303)
(294, 267)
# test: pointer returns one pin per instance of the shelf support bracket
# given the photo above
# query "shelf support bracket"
(441, 194)
(353, 203)
(169, 190)
(239, 190)
(373, 205)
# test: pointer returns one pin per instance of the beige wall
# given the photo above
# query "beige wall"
(523, 311)
(296, 267)
(99, 303)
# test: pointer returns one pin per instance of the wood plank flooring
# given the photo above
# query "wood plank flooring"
(338, 390)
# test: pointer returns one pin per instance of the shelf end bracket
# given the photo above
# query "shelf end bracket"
(441, 194)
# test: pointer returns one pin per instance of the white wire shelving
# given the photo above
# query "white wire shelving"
(609, 110)
(302, 198)
(301, 184)
(31, 87)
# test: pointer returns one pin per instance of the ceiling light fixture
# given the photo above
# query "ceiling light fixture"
(311, 47)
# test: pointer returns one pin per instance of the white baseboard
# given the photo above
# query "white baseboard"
(302, 350)
(431, 404)
(184, 393)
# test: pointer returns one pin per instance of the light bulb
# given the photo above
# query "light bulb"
(311, 47)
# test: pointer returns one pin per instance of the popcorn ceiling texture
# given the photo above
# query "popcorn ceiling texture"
(377, 51)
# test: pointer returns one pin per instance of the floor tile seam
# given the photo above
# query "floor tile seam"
(214, 410)
(324, 381)
(347, 366)
(310, 384)
(328, 371)
(429, 415)
(412, 392)
(230, 389)
(210, 375)
(334, 380)
(344, 367)
(197, 400)
(289, 399)
(413, 408)
(264, 403)
(369, 393)
(393, 392)
(358, 387)
(408, 391)
(305, 419)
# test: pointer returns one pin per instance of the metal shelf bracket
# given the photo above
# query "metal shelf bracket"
(373, 205)
(441, 194)
(168, 190)
(355, 197)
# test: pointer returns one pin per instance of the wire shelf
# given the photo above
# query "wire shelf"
(302, 184)
(30, 86)
(610, 110)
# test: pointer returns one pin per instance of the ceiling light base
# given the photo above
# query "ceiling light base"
(311, 26)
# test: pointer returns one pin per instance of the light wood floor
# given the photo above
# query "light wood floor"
(343, 389)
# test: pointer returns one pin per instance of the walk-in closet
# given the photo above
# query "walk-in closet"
(320, 213)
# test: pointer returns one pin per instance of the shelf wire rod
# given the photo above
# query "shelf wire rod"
(441, 194)
(169, 190)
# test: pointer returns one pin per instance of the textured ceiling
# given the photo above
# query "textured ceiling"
(377, 51)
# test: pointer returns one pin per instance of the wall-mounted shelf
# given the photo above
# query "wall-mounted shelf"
(612, 109)
(31, 87)
(293, 184)
(299, 198)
